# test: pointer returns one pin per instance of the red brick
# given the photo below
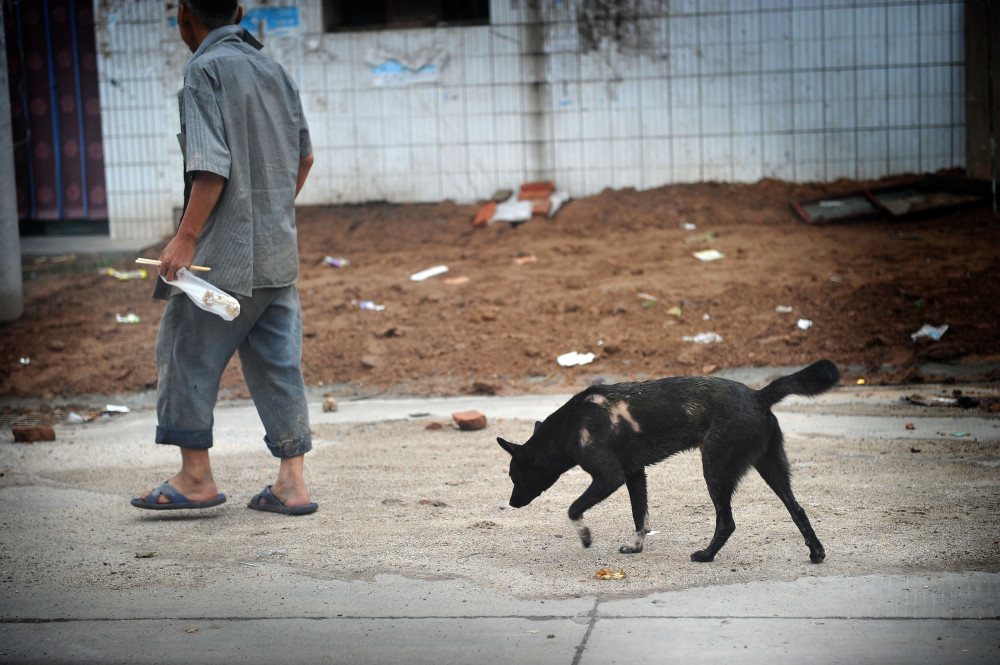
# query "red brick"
(34, 433)
(485, 214)
(469, 420)
(536, 191)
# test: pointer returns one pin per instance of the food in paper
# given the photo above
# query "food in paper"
(206, 296)
(215, 299)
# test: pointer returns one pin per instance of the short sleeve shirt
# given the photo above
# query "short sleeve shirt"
(241, 118)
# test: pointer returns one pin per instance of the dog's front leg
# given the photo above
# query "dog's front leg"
(636, 483)
(600, 489)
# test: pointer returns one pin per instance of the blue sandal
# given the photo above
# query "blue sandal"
(177, 500)
(269, 503)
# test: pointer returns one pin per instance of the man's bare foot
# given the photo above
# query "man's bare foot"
(194, 491)
(290, 493)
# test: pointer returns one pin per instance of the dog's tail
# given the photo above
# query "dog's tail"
(813, 380)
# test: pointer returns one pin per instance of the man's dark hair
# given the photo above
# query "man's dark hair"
(213, 13)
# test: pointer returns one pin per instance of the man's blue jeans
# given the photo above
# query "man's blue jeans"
(193, 349)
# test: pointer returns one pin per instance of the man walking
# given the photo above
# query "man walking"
(247, 154)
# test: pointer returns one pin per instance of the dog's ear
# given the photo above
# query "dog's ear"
(538, 424)
(512, 448)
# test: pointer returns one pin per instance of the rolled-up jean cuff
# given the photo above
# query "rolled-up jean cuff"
(194, 439)
(290, 447)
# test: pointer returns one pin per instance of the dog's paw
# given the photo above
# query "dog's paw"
(702, 556)
(583, 532)
(817, 556)
(629, 549)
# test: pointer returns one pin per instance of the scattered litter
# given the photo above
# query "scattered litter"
(709, 255)
(557, 199)
(706, 316)
(783, 309)
(267, 554)
(533, 198)
(427, 274)
(74, 418)
(910, 426)
(804, 324)
(145, 555)
(933, 332)
(861, 382)
(24, 361)
(959, 401)
(194, 630)
(646, 296)
(675, 311)
(652, 533)
(960, 434)
(329, 405)
(608, 574)
(336, 262)
(369, 305)
(687, 226)
(454, 281)
(125, 276)
(513, 210)
(206, 296)
(242, 563)
(701, 237)
(521, 260)
(130, 317)
(573, 358)
(114, 408)
(704, 338)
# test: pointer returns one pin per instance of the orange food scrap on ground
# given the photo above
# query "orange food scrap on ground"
(608, 574)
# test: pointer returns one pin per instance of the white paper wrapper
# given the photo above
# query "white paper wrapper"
(206, 296)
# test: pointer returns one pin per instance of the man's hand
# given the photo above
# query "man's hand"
(179, 252)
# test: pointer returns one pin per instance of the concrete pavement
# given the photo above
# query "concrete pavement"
(283, 614)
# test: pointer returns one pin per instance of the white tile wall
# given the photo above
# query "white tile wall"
(714, 89)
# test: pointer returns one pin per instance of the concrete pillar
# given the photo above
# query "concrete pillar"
(11, 294)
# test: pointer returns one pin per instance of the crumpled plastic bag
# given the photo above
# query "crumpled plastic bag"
(206, 296)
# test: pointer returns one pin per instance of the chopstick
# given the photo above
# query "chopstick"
(154, 262)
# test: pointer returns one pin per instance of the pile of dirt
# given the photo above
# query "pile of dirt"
(612, 274)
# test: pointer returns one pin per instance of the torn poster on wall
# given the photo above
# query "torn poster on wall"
(394, 69)
(272, 21)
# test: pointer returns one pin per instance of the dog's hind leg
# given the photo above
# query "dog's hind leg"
(636, 484)
(773, 468)
(721, 490)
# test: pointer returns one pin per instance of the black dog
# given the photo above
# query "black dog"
(614, 431)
